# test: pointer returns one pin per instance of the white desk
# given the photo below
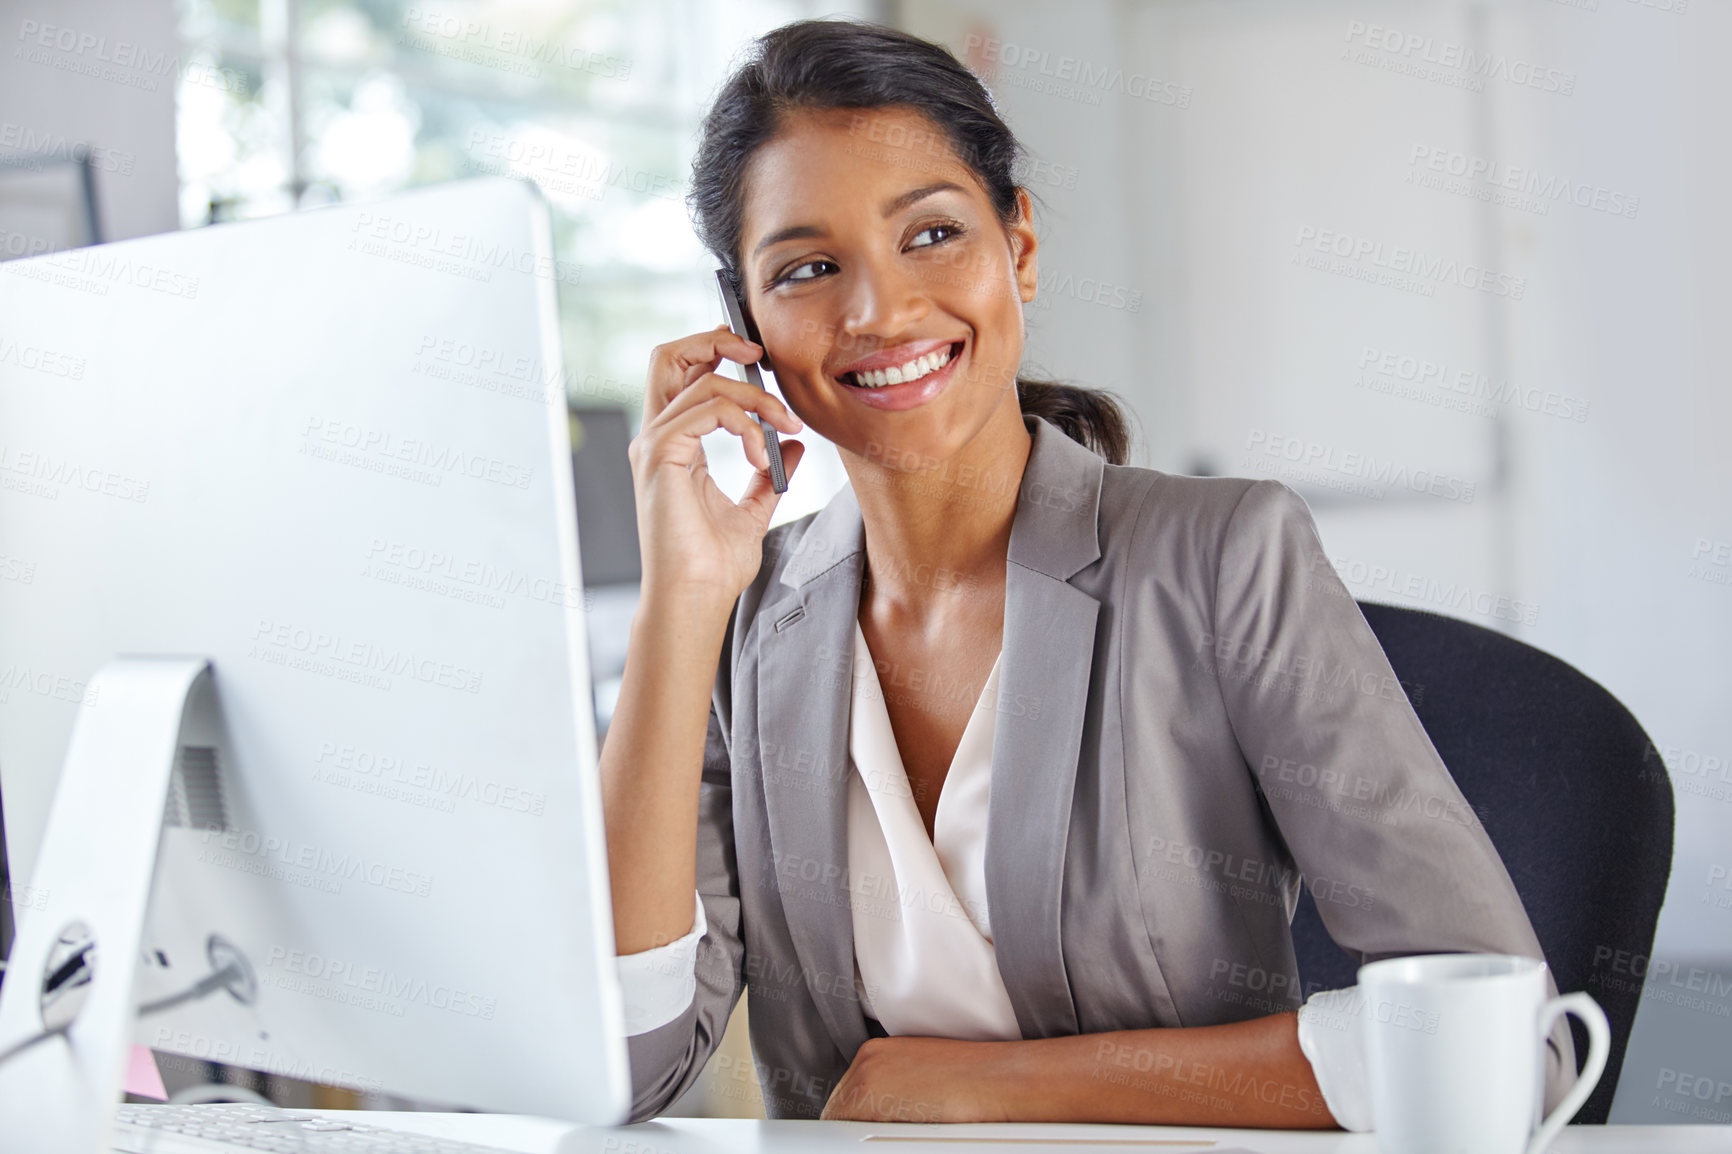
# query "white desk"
(740, 1136)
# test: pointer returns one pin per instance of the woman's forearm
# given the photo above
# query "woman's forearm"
(1245, 1074)
(651, 764)
(1248, 1074)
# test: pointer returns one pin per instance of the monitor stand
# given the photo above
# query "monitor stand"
(76, 958)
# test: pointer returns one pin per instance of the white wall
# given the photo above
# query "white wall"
(1088, 321)
(1587, 530)
(1612, 521)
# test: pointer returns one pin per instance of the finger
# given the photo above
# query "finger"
(701, 367)
(678, 435)
(760, 496)
(677, 438)
(750, 399)
(705, 348)
(678, 420)
(678, 363)
(767, 405)
(695, 376)
(723, 413)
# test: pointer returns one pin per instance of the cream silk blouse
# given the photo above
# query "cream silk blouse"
(922, 930)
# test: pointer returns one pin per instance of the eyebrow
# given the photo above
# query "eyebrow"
(891, 207)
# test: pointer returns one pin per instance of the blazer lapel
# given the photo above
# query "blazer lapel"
(1044, 673)
(805, 666)
(805, 693)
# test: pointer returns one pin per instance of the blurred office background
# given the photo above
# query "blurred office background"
(1477, 314)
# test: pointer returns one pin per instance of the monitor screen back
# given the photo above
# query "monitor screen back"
(304, 448)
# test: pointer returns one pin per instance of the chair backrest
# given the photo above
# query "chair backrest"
(6, 899)
(1568, 788)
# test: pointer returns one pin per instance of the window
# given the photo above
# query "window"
(297, 103)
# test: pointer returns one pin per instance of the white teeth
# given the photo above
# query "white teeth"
(913, 370)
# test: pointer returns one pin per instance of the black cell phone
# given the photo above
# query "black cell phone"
(740, 321)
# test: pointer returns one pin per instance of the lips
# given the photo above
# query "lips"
(900, 355)
(915, 391)
(900, 365)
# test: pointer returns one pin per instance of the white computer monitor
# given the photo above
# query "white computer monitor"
(330, 454)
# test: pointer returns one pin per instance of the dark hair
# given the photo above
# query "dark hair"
(829, 64)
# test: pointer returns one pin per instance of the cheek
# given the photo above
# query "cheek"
(988, 282)
(802, 341)
(988, 292)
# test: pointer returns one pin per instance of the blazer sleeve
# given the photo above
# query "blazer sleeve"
(1396, 859)
(666, 1061)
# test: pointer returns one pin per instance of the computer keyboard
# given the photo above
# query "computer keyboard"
(213, 1128)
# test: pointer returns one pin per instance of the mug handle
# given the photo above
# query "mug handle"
(1599, 1048)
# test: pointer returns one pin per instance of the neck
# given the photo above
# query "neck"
(943, 528)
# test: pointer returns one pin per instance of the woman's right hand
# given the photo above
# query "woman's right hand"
(694, 540)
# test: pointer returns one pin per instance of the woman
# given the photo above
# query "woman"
(1050, 876)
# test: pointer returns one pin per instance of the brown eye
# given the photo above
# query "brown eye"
(789, 275)
(949, 229)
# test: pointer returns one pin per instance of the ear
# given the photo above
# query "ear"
(1023, 243)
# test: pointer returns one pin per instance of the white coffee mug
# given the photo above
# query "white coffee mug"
(1455, 1048)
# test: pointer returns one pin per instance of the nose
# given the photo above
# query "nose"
(881, 302)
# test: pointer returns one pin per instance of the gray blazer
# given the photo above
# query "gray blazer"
(1194, 720)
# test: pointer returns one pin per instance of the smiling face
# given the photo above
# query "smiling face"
(887, 291)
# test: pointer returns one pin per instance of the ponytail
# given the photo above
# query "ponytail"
(1092, 417)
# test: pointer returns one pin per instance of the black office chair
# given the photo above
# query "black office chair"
(6, 930)
(1569, 790)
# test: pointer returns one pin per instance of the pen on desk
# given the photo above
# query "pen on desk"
(738, 322)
